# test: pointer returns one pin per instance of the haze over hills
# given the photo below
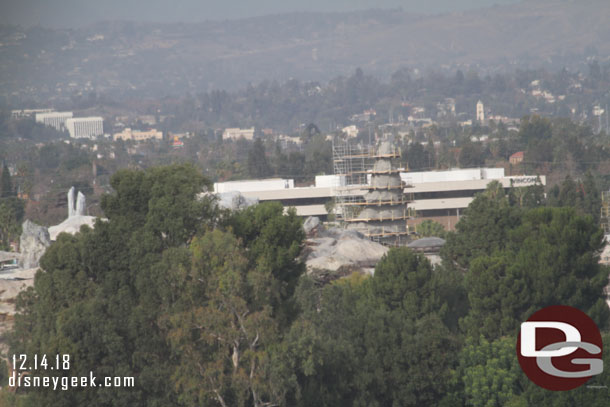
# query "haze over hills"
(127, 59)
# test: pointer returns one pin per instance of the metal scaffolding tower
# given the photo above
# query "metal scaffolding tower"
(370, 194)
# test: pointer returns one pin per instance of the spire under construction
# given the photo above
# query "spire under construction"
(371, 196)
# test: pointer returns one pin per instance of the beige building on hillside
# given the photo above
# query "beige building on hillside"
(236, 134)
(136, 135)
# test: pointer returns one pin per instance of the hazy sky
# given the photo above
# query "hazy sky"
(74, 13)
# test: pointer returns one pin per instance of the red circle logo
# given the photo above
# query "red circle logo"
(560, 348)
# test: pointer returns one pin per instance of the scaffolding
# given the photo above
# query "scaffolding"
(369, 192)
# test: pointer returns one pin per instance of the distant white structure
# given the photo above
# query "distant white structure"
(80, 207)
(57, 120)
(136, 135)
(85, 127)
(268, 184)
(236, 133)
(76, 216)
(286, 140)
(71, 202)
(19, 113)
(351, 131)
(437, 195)
(480, 111)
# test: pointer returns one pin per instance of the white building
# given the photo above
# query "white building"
(480, 111)
(136, 135)
(56, 120)
(350, 131)
(441, 196)
(308, 201)
(235, 134)
(85, 127)
(19, 113)
(268, 184)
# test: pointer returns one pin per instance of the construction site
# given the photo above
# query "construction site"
(370, 195)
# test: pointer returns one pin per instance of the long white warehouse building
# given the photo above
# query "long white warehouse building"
(438, 195)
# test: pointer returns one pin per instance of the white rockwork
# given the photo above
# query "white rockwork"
(81, 205)
(76, 216)
(33, 243)
(71, 202)
(336, 252)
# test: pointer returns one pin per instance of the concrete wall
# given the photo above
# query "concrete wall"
(453, 175)
(269, 184)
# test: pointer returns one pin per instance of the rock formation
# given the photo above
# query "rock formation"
(33, 243)
(81, 205)
(71, 202)
(336, 252)
(76, 216)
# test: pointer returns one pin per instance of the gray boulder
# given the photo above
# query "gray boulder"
(33, 243)
(336, 252)
(311, 225)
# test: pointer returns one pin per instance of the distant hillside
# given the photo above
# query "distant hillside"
(126, 59)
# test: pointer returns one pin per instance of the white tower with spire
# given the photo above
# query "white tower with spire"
(480, 111)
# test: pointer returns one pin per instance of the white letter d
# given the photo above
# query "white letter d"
(528, 338)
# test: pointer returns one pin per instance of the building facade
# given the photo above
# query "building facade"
(441, 196)
(137, 135)
(57, 120)
(85, 127)
(480, 111)
(20, 113)
(235, 134)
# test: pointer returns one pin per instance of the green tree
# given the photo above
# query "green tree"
(225, 334)
(584, 196)
(482, 229)
(258, 166)
(591, 202)
(550, 258)
(273, 241)
(318, 156)
(471, 155)
(12, 211)
(103, 292)
(366, 341)
(418, 158)
(490, 372)
(531, 196)
(535, 134)
(6, 185)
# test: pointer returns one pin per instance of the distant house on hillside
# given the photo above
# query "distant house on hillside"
(516, 158)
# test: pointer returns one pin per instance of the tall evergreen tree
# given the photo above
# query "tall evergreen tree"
(258, 166)
(6, 184)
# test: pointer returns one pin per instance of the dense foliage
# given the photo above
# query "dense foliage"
(208, 307)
